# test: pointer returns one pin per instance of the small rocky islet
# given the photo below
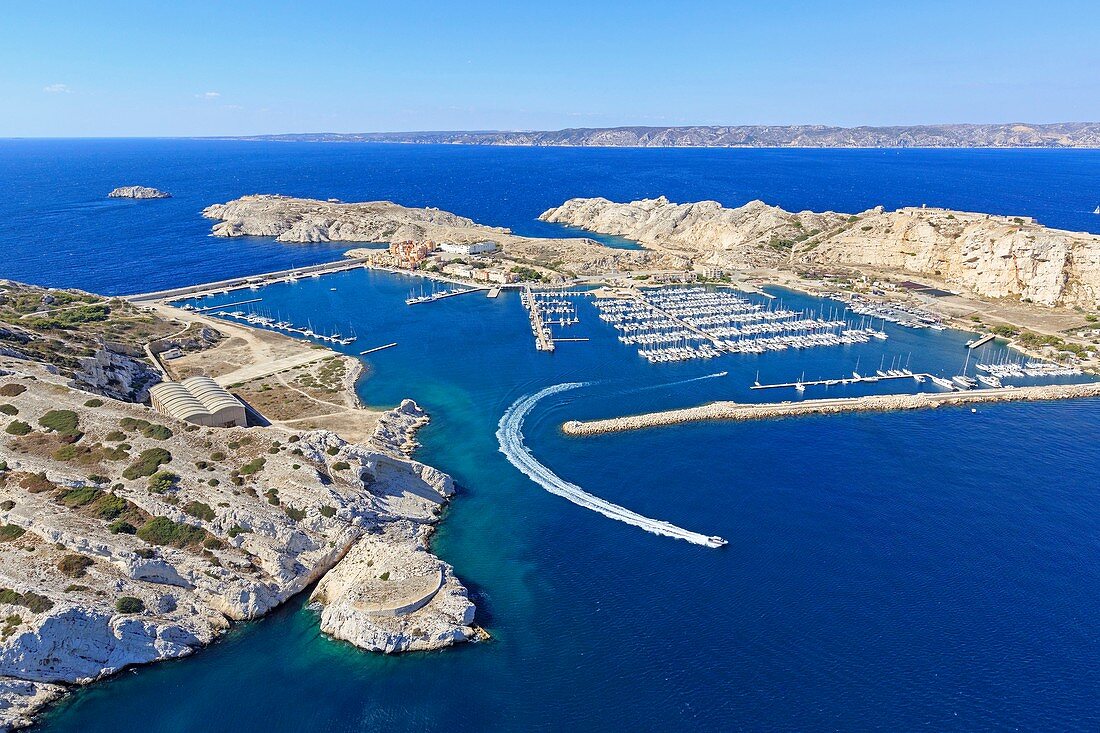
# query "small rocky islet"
(138, 192)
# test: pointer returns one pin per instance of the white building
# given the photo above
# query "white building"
(198, 400)
(469, 249)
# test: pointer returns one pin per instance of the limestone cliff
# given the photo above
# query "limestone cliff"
(991, 256)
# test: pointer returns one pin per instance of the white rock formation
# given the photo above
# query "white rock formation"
(991, 256)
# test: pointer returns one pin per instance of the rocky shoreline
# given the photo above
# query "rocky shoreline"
(127, 537)
(736, 411)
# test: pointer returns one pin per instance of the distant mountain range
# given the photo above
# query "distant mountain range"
(1013, 135)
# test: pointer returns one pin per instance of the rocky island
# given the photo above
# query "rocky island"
(310, 220)
(138, 192)
(128, 537)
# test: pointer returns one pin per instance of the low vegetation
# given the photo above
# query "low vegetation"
(163, 531)
(147, 463)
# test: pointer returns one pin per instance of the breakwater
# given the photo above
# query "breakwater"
(872, 403)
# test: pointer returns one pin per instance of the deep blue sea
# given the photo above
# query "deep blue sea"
(932, 570)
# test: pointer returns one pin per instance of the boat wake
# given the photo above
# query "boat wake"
(510, 438)
(675, 384)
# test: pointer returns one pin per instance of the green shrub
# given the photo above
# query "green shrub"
(253, 466)
(115, 436)
(296, 514)
(332, 451)
(328, 511)
(7, 505)
(68, 452)
(121, 526)
(341, 466)
(157, 432)
(7, 409)
(384, 576)
(29, 600)
(3, 466)
(213, 543)
(18, 427)
(74, 566)
(217, 456)
(199, 510)
(94, 402)
(237, 529)
(163, 481)
(272, 496)
(147, 463)
(163, 531)
(74, 498)
(10, 532)
(64, 422)
(12, 389)
(145, 552)
(109, 506)
(133, 423)
(129, 604)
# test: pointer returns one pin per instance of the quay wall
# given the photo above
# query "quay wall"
(871, 403)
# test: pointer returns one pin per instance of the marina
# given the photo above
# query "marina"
(679, 324)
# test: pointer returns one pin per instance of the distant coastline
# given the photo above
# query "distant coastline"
(1060, 135)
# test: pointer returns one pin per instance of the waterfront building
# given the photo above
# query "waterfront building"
(468, 249)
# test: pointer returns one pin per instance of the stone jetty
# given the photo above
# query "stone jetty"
(872, 403)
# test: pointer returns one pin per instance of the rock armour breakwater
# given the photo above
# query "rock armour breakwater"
(872, 403)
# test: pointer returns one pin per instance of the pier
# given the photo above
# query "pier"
(873, 403)
(249, 281)
(870, 379)
(980, 342)
(544, 341)
(377, 348)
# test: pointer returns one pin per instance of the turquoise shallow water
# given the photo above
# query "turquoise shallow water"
(927, 570)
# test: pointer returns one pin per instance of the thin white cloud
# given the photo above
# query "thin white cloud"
(208, 95)
(57, 89)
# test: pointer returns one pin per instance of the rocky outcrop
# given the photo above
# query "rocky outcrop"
(389, 594)
(396, 429)
(112, 373)
(987, 255)
(138, 192)
(103, 566)
(1011, 135)
(311, 220)
(705, 230)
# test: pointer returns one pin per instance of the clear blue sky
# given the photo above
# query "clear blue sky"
(199, 68)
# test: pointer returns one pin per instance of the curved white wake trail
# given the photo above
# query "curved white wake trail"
(674, 384)
(510, 437)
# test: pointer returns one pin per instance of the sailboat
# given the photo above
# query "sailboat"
(1096, 210)
(961, 379)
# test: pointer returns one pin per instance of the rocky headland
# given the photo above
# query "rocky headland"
(127, 537)
(138, 192)
(987, 255)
